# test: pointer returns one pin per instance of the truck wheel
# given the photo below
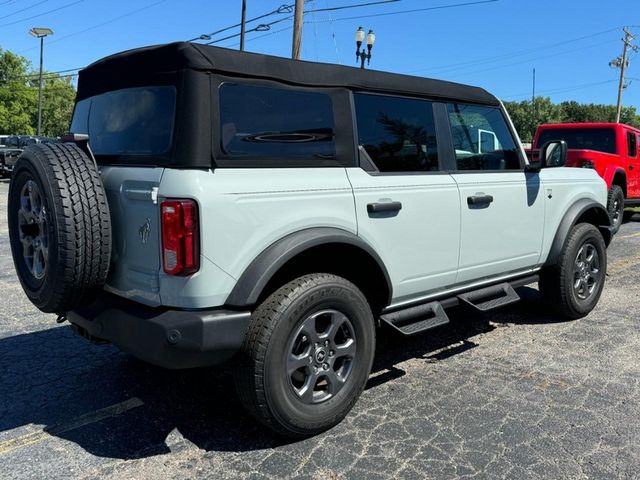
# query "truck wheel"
(307, 355)
(615, 207)
(573, 286)
(59, 226)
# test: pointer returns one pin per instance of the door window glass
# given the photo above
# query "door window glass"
(481, 138)
(397, 133)
(631, 141)
(268, 122)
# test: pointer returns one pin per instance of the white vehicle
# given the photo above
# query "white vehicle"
(281, 214)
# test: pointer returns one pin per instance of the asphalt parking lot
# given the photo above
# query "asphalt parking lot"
(514, 394)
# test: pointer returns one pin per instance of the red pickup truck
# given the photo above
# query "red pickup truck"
(612, 149)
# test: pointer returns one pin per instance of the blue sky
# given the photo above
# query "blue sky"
(495, 45)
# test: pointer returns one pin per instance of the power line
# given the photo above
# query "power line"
(528, 60)
(62, 7)
(440, 7)
(24, 9)
(516, 53)
(562, 89)
(344, 7)
(263, 27)
(285, 8)
(98, 25)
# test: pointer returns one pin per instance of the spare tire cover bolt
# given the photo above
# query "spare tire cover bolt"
(174, 336)
(325, 366)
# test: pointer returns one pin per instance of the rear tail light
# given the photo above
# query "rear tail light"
(180, 237)
(587, 164)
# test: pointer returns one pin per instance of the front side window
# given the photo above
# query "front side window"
(633, 146)
(132, 121)
(397, 133)
(481, 138)
(267, 122)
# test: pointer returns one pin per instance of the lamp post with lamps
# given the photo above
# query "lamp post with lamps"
(362, 54)
(40, 33)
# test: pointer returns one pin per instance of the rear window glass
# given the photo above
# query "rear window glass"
(132, 121)
(598, 139)
(268, 122)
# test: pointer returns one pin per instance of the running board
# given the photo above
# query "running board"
(417, 319)
(489, 298)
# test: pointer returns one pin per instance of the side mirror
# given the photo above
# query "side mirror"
(553, 154)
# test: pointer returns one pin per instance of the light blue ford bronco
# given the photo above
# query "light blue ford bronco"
(213, 205)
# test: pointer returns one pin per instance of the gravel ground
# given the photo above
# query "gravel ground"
(512, 394)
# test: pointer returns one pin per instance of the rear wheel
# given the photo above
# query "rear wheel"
(307, 355)
(573, 286)
(615, 207)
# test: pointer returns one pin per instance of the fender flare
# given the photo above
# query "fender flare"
(569, 221)
(260, 271)
(611, 172)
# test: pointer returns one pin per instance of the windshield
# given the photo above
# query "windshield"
(598, 139)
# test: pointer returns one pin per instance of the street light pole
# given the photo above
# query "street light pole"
(40, 33)
(364, 55)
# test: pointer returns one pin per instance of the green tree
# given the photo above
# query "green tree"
(19, 98)
(526, 117)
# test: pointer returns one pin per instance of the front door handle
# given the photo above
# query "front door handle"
(479, 199)
(378, 207)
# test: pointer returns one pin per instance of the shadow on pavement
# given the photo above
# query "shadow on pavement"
(56, 379)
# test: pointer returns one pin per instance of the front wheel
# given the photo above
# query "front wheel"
(307, 355)
(573, 286)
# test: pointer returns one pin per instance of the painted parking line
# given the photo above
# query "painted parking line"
(631, 235)
(81, 421)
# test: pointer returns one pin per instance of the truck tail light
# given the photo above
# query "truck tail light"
(587, 164)
(180, 237)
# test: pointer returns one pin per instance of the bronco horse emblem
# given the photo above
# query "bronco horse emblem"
(144, 230)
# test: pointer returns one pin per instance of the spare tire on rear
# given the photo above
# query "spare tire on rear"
(59, 226)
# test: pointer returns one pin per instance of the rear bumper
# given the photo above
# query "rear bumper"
(168, 338)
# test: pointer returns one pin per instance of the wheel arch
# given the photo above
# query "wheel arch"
(314, 250)
(616, 176)
(582, 211)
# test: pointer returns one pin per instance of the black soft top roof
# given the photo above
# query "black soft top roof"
(149, 64)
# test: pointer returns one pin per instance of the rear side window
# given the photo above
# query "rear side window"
(481, 138)
(397, 133)
(270, 122)
(631, 143)
(132, 121)
(598, 139)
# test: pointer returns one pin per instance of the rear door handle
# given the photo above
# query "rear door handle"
(479, 199)
(384, 207)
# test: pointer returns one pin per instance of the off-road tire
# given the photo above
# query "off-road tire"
(261, 379)
(615, 207)
(75, 218)
(557, 282)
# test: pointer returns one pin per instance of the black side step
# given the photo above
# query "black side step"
(417, 319)
(489, 298)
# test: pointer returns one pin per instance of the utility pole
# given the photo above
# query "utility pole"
(40, 33)
(622, 63)
(533, 97)
(243, 24)
(297, 30)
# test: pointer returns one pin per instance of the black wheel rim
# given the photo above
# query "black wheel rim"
(320, 356)
(33, 231)
(586, 271)
(616, 211)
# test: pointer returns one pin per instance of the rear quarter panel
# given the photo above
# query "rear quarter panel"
(242, 212)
